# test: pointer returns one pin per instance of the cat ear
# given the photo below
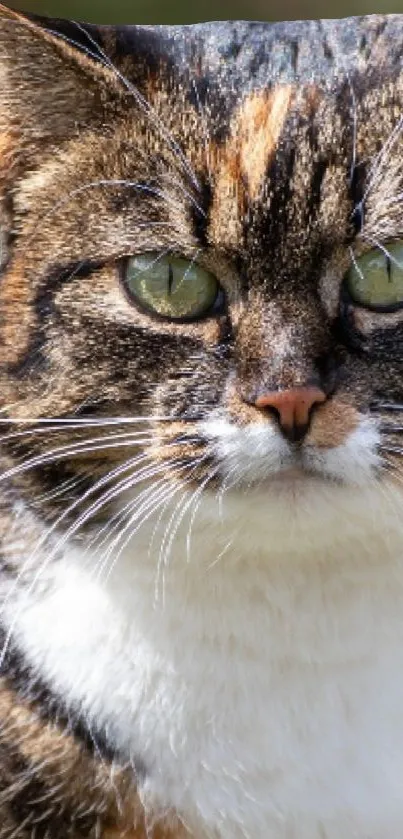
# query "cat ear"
(50, 89)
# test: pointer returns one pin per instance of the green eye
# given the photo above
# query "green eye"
(172, 287)
(375, 281)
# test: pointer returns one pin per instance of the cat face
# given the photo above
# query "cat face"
(201, 259)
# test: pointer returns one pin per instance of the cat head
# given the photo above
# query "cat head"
(202, 259)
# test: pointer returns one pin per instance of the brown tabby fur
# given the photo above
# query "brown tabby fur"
(267, 170)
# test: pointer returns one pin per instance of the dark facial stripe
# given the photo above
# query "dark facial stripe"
(42, 306)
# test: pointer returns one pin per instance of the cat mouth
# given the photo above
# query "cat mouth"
(296, 476)
(256, 455)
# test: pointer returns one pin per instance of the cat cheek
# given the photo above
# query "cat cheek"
(332, 424)
(242, 413)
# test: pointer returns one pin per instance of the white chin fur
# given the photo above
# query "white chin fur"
(255, 668)
(257, 452)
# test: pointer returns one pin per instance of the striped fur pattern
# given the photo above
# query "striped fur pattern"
(270, 154)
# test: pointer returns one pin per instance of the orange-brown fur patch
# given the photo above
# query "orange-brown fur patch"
(242, 413)
(258, 127)
(242, 163)
(332, 424)
(8, 145)
(16, 315)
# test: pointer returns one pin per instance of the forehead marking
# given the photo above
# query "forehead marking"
(258, 128)
(243, 161)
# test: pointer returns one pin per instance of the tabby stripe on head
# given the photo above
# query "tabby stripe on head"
(258, 127)
(24, 350)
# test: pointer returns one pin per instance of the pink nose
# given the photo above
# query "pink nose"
(293, 408)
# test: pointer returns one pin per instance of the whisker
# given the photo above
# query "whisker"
(79, 422)
(130, 483)
(391, 449)
(198, 495)
(31, 558)
(355, 263)
(160, 571)
(391, 429)
(163, 499)
(196, 502)
(173, 526)
(138, 476)
(109, 183)
(154, 501)
(145, 105)
(114, 523)
(111, 474)
(175, 182)
(70, 451)
(127, 483)
(142, 511)
(40, 432)
(380, 157)
(355, 126)
(372, 241)
(175, 465)
(79, 46)
(65, 486)
(387, 406)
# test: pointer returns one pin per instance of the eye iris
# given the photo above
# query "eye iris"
(375, 281)
(171, 286)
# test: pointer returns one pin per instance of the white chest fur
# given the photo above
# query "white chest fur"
(263, 691)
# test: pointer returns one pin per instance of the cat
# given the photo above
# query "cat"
(201, 371)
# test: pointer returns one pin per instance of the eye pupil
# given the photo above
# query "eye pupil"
(170, 278)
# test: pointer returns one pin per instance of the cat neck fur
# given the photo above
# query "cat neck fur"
(254, 672)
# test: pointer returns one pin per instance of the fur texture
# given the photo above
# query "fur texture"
(201, 616)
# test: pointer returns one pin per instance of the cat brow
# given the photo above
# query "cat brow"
(145, 105)
(380, 157)
(206, 134)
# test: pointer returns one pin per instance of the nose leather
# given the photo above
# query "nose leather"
(293, 408)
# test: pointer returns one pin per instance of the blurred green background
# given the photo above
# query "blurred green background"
(186, 11)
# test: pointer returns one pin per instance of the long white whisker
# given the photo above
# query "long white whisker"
(139, 476)
(154, 501)
(172, 465)
(378, 244)
(163, 499)
(114, 523)
(146, 107)
(377, 165)
(70, 451)
(174, 524)
(150, 503)
(195, 502)
(115, 183)
(119, 470)
(33, 432)
(83, 422)
(55, 550)
(61, 489)
(161, 564)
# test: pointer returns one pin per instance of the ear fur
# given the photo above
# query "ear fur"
(49, 90)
